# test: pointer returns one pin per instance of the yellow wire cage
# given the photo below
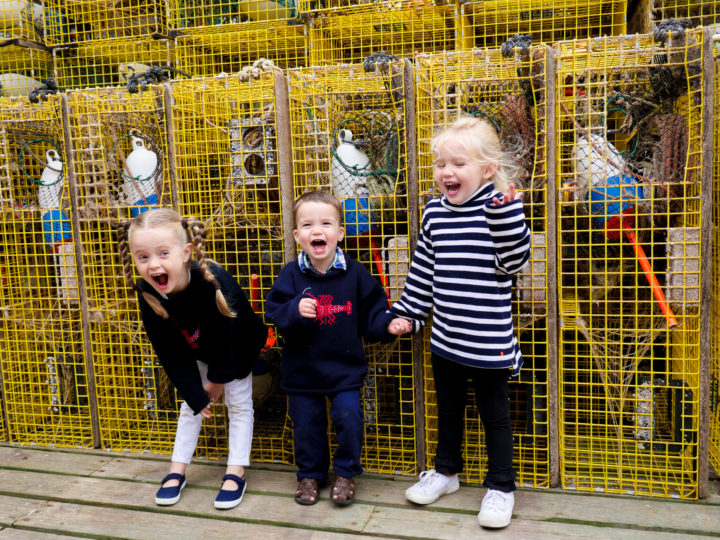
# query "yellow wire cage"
(629, 130)
(394, 28)
(228, 175)
(45, 379)
(715, 312)
(646, 14)
(212, 51)
(489, 23)
(194, 14)
(111, 63)
(22, 69)
(510, 93)
(21, 19)
(332, 107)
(81, 21)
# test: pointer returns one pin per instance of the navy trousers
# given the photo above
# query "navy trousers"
(308, 413)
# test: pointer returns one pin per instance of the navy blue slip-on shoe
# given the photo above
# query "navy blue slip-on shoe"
(230, 498)
(166, 496)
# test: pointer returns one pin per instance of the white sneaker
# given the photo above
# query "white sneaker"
(496, 509)
(431, 487)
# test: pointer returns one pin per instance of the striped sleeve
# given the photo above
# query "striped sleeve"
(510, 235)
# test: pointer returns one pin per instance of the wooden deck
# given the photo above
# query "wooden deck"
(48, 493)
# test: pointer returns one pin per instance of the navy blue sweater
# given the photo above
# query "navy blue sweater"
(325, 354)
(196, 330)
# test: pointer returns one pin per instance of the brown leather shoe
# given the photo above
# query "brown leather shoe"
(343, 491)
(307, 492)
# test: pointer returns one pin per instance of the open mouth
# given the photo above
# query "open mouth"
(318, 245)
(160, 279)
(452, 189)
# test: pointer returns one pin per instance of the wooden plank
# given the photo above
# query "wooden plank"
(58, 461)
(20, 534)
(78, 519)
(13, 508)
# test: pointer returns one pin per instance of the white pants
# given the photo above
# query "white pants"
(238, 400)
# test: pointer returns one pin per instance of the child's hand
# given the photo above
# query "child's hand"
(508, 197)
(399, 326)
(206, 413)
(213, 391)
(308, 308)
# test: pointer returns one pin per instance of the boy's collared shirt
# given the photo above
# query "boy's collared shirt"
(338, 261)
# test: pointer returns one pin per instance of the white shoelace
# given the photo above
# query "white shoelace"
(495, 502)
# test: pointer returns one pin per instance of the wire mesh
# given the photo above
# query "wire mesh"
(209, 52)
(700, 12)
(21, 19)
(226, 137)
(68, 22)
(715, 287)
(489, 23)
(110, 63)
(44, 374)
(348, 135)
(22, 69)
(510, 94)
(349, 37)
(109, 130)
(190, 14)
(629, 154)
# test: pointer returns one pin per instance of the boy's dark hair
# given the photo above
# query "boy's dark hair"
(319, 196)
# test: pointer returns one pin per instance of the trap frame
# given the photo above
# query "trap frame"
(78, 22)
(22, 69)
(44, 372)
(646, 14)
(630, 154)
(511, 94)
(349, 37)
(714, 449)
(227, 166)
(110, 63)
(194, 14)
(330, 106)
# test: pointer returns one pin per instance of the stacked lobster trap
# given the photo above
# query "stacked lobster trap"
(629, 152)
(23, 68)
(44, 372)
(489, 23)
(714, 452)
(646, 14)
(227, 133)
(510, 92)
(119, 153)
(349, 34)
(21, 19)
(348, 129)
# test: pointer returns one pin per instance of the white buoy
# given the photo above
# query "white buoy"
(348, 169)
(596, 160)
(13, 13)
(141, 177)
(15, 84)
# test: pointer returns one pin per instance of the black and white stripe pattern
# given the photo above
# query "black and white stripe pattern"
(462, 269)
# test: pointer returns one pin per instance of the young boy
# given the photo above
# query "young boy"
(323, 304)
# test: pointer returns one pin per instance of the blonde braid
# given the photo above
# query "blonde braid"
(197, 236)
(123, 230)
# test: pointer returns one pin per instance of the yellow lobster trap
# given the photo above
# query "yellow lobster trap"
(646, 14)
(74, 22)
(44, 371)
(22, 69)
(228, 149)
(489, 23)
(119, 148)
(398, 29)
(112, 63)
(21, 19)
(715, 311)
(511, 94)
(629, 151)
(212, 51)
(349, 135)
(193, 14)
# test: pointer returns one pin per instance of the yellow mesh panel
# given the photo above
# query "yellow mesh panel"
(213, 51)
(509, 93)
(351, 36)
(330, 106)
(43, 364)
(629, 160)
(192, 14)
(110, 63)
(21, 19)
(99, 20)
(228, 176)
(489, 23)
(715, 302)
(22, 69)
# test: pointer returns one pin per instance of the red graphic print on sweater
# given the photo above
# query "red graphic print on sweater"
(325, 310)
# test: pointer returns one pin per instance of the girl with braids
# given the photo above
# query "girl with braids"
(204, 333)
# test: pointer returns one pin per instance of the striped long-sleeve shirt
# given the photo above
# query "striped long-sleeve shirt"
(462, 269)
